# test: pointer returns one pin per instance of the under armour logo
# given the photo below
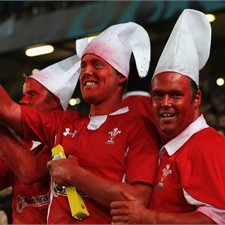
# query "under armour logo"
(67, 132)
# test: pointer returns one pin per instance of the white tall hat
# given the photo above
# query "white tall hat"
(188, 47)
(116, 44)
(60, 78)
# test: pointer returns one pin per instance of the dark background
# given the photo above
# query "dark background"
(60, 23)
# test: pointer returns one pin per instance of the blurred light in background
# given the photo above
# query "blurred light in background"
(220, 81)
(34, 71)
(74, 101)
(211, 17)
(39, 50)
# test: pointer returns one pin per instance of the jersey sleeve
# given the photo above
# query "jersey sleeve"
(38, 126)
(204, 170)
(142, 155)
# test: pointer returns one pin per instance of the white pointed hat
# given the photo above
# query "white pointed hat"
(188, 47)
(60, 78)
(116, 44)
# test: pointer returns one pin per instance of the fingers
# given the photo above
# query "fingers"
(73, 159)
(49, 165)
(117, 212)
(122, 211)
(119, 219)
(117, 204)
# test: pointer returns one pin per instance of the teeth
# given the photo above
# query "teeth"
(89, 83)
(164, 115)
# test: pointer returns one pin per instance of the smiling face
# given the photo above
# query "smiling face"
(100, 83)
(173, 104)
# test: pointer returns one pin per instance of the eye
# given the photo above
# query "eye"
(176, 94)
(97, 64)
(32, 93)
(82, 65)
(157, 95)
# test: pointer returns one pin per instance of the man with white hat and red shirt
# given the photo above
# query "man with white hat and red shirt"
(30, 201)
(189, 186)
(113, 148)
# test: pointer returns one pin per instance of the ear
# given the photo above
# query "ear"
(122, 79)
(55, 102)
(198, 99)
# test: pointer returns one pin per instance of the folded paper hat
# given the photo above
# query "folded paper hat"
(116, 44)
(188, 47)
(60, 78)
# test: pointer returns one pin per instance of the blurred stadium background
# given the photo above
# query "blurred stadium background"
(24, 24)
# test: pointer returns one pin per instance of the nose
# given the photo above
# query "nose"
(87, 70)
(24, 101)
(166, 100)
(86, 73)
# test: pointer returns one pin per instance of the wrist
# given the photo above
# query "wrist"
(146, 218)
(150, 217)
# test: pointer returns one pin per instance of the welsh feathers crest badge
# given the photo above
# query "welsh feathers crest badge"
(112, 136)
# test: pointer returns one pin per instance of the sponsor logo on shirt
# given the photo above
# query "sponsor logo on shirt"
(165, 172)
(112, 136)
(23, 201)
(68, 133)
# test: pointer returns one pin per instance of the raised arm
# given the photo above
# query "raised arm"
(27, 167)
(10, 113)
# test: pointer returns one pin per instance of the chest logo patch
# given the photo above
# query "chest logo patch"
(34, 201)
(165, 172)
(112, 136)
(67, 132)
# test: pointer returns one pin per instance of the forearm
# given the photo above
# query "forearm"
(10, 113)
(105, 191)
(20, 160)
(176, 218)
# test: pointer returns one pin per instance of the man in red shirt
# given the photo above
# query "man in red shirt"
(30, 201)
(112, 148)
(189, 186)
